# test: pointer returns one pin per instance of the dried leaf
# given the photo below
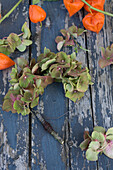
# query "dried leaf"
(107, 56)
(58, 39)
(84, 144)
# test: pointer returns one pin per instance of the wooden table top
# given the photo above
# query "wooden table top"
(24, 144)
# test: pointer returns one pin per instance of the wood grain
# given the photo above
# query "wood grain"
(102, 90)
(80, 113)
(22, 143)
(47, 153)
(14, 150)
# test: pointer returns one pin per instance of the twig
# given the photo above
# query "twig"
(47, 126)
(7, 15)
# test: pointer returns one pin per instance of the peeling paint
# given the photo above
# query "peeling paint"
(21, 163)
(8, 153)
(4, 80)
(38, 38)
(48, 23)
(40, 107)
(82, 110)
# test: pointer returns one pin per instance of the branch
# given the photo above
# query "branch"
(48, 127)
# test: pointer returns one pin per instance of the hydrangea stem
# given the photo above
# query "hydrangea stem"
(48, 127)
(98, 10)
(7, 15)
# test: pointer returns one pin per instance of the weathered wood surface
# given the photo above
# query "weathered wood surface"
(14, 129)
(24, 144)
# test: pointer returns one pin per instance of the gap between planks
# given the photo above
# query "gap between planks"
(30, 115)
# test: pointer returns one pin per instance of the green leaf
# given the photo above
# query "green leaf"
(82, 84)
(84, 144)
(27, 97)
(26, 70)
(80, 31)
(109, 131)
(2, 41)
(60, 45)
(98, 136)
(108, 151)
(22, 62)
(14, 92)
(63, 32)
(35, 67)
(13, 81)
(73, 56)
(46, 51)
(55, 71)
(59, 39)
(91, 155)
(74, 96)
(9, 100)
(16, 86)
(6, 49)
(32, 62)
(99, 129)
(25, 112)
(63, 59)
(13, 73)
(24, 82)
(46, 65)
(7, 106)
(26, 79)
(21, 47)
(14, 40)
(69, 87)
(26, 31)
(18, 106)
(34, 102)
(45, 80)
(38, 82)
(73, 29)
(27, 42)
(110, 137)
(94, 145)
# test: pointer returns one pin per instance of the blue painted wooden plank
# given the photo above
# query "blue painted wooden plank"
(13, 128)
(102, 90)
(80, 114)
(46, 151)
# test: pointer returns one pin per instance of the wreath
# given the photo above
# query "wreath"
(29, 80)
